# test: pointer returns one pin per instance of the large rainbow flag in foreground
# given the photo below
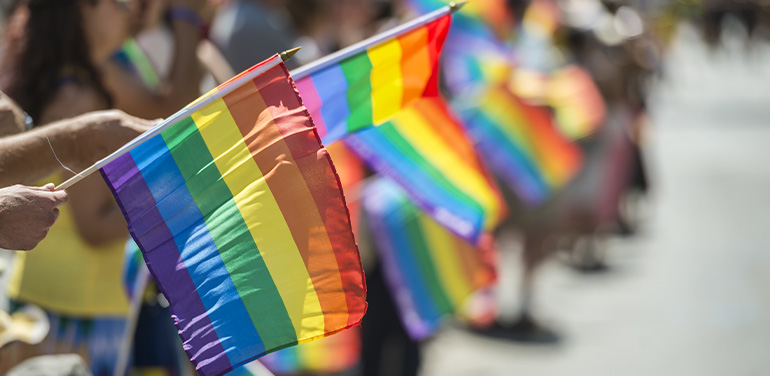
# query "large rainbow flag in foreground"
(427, 152)
(241, 219)
(522, 145)
(430, 271)
(347, 93)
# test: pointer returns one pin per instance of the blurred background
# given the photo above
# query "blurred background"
(685, 295)
(670, 282)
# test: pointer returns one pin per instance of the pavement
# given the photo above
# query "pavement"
(688, 295)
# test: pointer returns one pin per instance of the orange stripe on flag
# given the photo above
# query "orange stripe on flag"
(272, 155)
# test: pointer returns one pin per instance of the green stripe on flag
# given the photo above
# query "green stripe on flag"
(422, 258)
(225, 222)
(357, 72)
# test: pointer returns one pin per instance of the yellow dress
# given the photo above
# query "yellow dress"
(69, 277)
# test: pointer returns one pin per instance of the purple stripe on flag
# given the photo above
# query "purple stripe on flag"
(131, 185)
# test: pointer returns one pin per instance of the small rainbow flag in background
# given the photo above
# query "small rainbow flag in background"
(542, 17)
(133, 263)
(578, 105)
(350, 90)
(329, 355)
(425, 149)
(475, 51)
(132, 57)
(255, 368)
(241, 219)
(492, 14)
(522, 145)
(430, 271)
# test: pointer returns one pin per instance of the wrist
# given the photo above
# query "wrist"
(190, 17)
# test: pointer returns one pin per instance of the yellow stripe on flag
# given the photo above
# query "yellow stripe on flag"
(387, 84)
(511, 120)
(444, 254)
(263, 217)
(417, 131)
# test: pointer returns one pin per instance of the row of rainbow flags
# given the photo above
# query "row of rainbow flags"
(238, 207)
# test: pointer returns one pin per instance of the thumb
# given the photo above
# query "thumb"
(60, 198)
(50, 187)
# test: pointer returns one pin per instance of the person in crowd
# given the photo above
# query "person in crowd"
(57, 64)
(187, 24)
(239, 28)
(26, 212)
(54, 50)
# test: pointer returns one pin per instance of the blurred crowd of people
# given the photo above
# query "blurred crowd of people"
(80, 75)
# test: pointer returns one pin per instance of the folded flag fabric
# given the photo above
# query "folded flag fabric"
(430, 271)
(522, 145)
(241, 219)
(350, 169)
(427, 152)
(369, 87)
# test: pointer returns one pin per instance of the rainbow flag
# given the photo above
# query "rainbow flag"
(542, 17)
(329, 355)
(371, 86)
(476, 50)
(255, 368)
(493, 14)
(578, 105)
(522, 145)
(132, 57)
(425, 149)
(241, 219)
(430, 271)
(350, 169)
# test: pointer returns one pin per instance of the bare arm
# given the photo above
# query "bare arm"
(93, 208)
(79, 142)
(12, 119)
(183, 85)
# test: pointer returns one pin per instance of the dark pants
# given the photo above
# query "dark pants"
(387, 349)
